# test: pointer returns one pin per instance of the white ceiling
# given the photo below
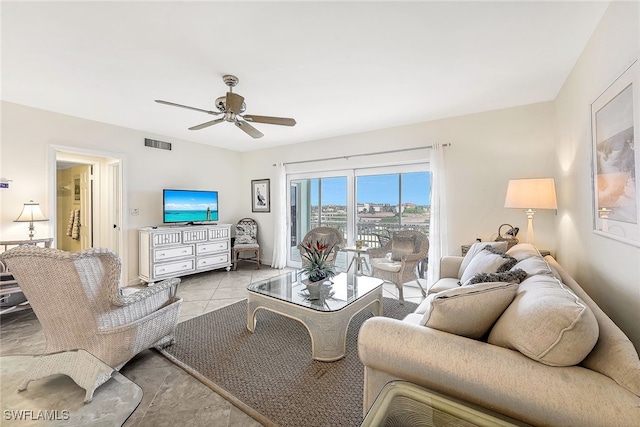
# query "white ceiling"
(336, 67)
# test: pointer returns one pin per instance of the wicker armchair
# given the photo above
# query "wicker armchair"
(407, 249)
(328, 235)
(77, 299)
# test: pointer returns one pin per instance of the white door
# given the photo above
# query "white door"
(86, 208)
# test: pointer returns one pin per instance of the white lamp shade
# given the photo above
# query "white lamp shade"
(31, 213)
(534, 193)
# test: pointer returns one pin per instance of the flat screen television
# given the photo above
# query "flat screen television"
(189, 206)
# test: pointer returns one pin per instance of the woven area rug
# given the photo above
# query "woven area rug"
(270, 374)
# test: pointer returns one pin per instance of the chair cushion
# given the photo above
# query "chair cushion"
(547, 322)
(469, 311)
(402, 245)
(245, 246)
(385, 264)
(245, 234)
(477, 247)
(487, 261)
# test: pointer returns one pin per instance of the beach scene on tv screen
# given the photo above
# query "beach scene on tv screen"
(187, 206)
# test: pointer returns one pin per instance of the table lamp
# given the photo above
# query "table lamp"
(530, 194)
(31, 213)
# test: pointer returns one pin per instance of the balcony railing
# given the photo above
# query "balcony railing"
(374, 235)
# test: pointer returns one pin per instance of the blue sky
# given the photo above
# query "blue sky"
(190, 200)
(416, 188)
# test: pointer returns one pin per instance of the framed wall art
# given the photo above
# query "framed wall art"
(615, 121)
(76, 189)
(260, 195)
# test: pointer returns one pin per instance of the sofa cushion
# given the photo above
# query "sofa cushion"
(469, 311)
(514, 275)
(401, 246)
(444, 284)
(477, 247)
(547, 322)
(487, 261)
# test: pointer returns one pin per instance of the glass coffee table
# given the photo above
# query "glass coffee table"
(325, 309)
(401, 403)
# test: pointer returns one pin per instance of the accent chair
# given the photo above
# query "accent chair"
(86, 316)
(246, 242)
(398, 259)
(327, 235)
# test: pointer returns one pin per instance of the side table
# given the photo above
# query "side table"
(358, 259)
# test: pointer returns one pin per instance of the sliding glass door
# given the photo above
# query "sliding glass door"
(363, 204)
(318, 201)
(387, 202)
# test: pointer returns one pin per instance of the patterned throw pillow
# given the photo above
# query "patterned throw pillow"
(487, 261)
(514, 276)
(245, 234)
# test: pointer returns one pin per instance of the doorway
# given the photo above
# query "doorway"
(88, 200)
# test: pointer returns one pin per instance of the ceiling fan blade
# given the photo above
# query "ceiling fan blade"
(250, 130)
(284, 121)
(234, 102)
(207, 124)
(173, 104)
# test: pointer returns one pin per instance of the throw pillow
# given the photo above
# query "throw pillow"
(547, 322)
(533, 266)
(514, 276)
(477, 247)
(486, 262)
(245, 234)
(468, 311)
(402, 245)
(523, 251)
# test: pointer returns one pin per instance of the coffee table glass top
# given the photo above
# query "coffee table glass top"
(333, 295)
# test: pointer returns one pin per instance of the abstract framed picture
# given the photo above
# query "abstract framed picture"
(260, 195)
(615, 121)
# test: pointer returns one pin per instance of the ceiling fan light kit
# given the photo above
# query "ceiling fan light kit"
(231, 107)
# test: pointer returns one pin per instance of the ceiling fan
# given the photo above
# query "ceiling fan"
(231, 106)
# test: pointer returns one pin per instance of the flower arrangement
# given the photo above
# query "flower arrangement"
(315, 260)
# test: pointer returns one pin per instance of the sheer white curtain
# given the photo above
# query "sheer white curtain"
(438, 221)
(279, 259)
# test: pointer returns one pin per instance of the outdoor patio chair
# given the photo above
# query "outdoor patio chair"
(397, 261)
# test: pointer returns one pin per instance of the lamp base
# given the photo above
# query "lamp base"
(530, 236)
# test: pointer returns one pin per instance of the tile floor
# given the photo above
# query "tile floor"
(171, 396)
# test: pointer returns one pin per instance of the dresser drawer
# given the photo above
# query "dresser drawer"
(210, 261)
(172, 253)
(212, 247)
(166, 238)
(171, 268)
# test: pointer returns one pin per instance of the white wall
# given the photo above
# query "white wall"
(28, 133)
(487, 150)
(607, 269)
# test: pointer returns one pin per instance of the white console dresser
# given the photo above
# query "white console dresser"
(179, 250)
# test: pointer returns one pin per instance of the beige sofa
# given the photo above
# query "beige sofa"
(538, 382)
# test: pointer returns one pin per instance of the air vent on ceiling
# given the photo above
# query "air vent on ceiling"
(154, 143)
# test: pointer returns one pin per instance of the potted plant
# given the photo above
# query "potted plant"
(315, 261)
